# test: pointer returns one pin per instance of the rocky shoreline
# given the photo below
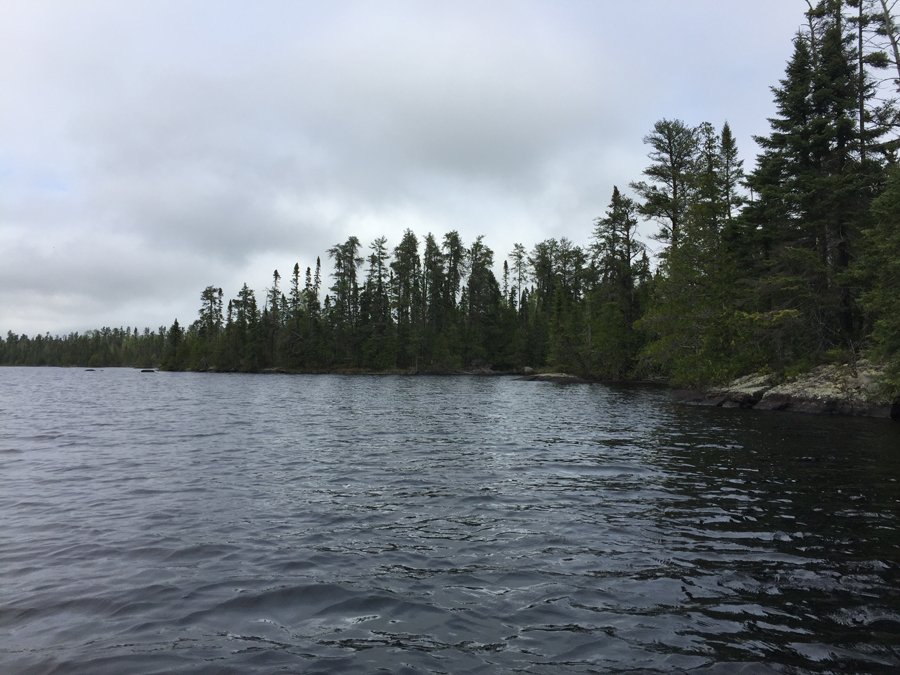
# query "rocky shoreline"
(849, 389)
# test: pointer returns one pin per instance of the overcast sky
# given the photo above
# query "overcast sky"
(149, 149)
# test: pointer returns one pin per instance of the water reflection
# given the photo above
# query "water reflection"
(789, 523)
(200, 523)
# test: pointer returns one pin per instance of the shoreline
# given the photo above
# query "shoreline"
(851, 390)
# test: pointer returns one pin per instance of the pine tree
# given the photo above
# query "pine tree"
(210, 313)
(667, 196)
(695, 332)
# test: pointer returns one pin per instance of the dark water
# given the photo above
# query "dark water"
(190, 523)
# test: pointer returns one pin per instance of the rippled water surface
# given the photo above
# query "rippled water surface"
(194, 523)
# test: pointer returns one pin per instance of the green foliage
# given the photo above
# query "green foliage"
(672, 175)
(805, 271)
(880, 269)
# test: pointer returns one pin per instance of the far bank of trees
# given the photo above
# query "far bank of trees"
(795, 263)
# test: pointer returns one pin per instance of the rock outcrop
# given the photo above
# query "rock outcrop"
(851, 389)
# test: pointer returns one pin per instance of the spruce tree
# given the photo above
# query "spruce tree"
(811, 193)
(407, 298)
(880, 269)
(343, 313)
(611, 306)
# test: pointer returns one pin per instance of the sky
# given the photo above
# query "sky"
(149, 149)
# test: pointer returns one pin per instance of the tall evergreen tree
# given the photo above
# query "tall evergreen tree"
(295, 299)
(378, 349)
(667, 196)
(612, 306)
(433, 283)
(519, 259)
(732, 174)
(482, 305)
(454, 255)
(880, 268)
(812, 193)
(211, 321)
(344, 309)
(435, 348)
(407, 294)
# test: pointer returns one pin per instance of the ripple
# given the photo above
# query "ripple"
(196, 523)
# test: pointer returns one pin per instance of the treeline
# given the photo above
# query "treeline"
(423, 306)
(793, 264)
(105, 347)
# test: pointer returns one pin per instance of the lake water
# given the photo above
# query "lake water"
(200, 523)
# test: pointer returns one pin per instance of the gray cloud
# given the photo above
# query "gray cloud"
(149, 149)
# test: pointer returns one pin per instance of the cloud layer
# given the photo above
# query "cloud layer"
(150, 149)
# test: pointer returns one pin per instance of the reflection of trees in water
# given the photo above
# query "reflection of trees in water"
(784, 527)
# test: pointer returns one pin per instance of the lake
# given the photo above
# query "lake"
(204, 523)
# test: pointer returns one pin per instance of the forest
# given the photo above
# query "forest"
(777, 269)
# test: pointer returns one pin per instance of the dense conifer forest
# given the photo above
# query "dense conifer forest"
(794, 263)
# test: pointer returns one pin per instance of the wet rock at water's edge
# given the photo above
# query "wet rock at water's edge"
(849, 389)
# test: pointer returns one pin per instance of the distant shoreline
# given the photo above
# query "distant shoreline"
(844, 390)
